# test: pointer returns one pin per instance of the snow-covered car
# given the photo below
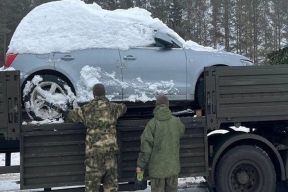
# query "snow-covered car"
(63, 48)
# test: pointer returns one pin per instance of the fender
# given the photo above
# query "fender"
(233, 137)
(194, 79)
(49, 72)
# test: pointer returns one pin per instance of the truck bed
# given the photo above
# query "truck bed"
(53, 155)
(245, 94)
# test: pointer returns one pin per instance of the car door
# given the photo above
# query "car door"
(104, 66)
(149, 71)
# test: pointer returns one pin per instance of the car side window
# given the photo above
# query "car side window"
(175, 45)
(154, 45)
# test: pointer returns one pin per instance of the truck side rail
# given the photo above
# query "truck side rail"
(53, 155)
(10, 104)
(247, 93)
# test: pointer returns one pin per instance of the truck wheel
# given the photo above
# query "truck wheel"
(37, 94)
(245, 169)
(200, 93)
(286, 163)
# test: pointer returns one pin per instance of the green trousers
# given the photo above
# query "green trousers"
(164, 185)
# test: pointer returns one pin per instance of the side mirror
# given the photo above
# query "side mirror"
(163, 39)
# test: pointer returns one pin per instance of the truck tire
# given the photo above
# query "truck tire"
(286, 164)
(38, 110)
(245, 169)
(200, 93)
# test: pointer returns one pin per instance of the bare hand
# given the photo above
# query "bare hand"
(138, 170)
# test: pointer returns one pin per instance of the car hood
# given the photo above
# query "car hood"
(215, 57)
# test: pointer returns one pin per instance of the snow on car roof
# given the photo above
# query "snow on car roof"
(64, 26)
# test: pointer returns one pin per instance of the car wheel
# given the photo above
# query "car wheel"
(44, 95)
(200, 93)
(245, 168)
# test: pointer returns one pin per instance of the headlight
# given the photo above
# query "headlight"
(246, 62)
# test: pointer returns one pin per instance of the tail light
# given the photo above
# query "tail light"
(9, 59)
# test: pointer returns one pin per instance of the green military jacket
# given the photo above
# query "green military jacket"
(100, 118)
(160, 144)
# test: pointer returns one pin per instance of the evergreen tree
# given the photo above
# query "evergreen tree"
(142, 3)
(12, 11)
(175, 12)
(106, 4)
(36, 3)
(159, 9)
(215, 30)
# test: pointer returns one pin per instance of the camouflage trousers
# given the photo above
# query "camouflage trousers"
(164, 185)
(101, 168)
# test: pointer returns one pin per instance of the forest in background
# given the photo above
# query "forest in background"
(252, 28)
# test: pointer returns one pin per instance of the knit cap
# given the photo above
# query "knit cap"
(162, 99)
(98, 90)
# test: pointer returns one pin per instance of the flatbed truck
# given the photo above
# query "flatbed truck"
(255, 97)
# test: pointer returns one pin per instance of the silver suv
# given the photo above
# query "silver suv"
(165, 60)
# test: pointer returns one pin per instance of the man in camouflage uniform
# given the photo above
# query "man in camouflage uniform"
(159, 151)
(99, 117)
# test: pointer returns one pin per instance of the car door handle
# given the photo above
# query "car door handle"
(67, 58)
(129, 57)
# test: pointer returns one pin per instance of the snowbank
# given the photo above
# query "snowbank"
(7, 69)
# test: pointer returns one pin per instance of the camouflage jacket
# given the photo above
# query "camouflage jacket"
(160, 144)
(100, 118)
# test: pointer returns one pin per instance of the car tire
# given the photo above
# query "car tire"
(200, 93)
(34, 103)
(245, 168)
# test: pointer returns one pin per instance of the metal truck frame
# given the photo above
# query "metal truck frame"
(254, 96)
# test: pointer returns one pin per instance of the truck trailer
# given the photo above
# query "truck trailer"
(213, 145)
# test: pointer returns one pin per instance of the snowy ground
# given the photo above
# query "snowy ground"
(10, 182)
